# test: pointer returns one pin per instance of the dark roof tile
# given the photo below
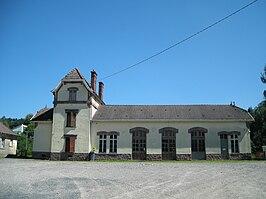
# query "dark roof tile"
(171, 112)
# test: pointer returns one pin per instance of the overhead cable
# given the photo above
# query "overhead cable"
(182, 41)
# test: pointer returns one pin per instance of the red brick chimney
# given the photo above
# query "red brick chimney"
(93, 80)
(101, 87)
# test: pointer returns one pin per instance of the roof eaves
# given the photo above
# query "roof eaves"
(171, 120)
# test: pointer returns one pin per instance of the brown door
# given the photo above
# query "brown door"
(70, 144)
(139, 145)
(168, 145)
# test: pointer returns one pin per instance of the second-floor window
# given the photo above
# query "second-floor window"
(73, 94)
(71, 118)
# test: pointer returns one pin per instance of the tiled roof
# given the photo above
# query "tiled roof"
(170, 113)
(74, 74)
(6, 130)
(44, 114)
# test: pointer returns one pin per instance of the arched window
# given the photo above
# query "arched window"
(198, 142)
(168, 143)
(139, 143)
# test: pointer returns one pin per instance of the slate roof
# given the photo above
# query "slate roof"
(44, 114)
(6, 130)
(171, 113)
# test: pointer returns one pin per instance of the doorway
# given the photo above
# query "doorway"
(198, 143)
(224, 146)
(139, 145)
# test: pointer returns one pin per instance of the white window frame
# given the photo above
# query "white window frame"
(113, 143)
(235, 143)
(102, 143)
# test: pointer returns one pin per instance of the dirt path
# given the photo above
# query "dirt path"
(208, 180)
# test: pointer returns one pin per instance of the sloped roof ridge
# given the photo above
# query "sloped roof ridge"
(75, 70)
(4, 129)
(79, 74)
(40, 112)
(171, 105)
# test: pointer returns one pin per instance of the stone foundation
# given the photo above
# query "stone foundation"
(99, 156)
(154, 157)
(41, 155)
(183, 157)
(214, 157)
(69, 156)
(55, 156)
(79, 157)
(240, 156)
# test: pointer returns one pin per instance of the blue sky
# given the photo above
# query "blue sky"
(42, 40)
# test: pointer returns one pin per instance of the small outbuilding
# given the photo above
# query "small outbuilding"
(8, 141)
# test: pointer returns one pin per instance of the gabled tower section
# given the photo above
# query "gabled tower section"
(75, 103)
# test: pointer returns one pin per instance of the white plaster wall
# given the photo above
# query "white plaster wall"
(94, 107)
(7, 149)
(13, 149)
(82, 93)
(183, 138)
(42, 137)
(82, 128)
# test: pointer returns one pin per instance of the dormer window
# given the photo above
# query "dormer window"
(72, 94)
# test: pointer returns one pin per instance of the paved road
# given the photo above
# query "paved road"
(48, 179)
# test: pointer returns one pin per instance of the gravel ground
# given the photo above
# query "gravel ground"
(50, 179)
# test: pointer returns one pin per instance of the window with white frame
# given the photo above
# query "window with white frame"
(234, 143)
(113, 143)
(102, 143)
(108, 141)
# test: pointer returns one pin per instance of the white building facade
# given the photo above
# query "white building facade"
(80, 123)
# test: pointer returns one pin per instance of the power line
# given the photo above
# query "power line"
(182, 41)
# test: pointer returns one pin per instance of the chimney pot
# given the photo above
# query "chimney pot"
(101, 87)
(93, 80)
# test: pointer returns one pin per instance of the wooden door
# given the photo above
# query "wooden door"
(168, 145)
(139, 145)
(70, 144)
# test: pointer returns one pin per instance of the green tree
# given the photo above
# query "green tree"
(263, 79)
(258, 128)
